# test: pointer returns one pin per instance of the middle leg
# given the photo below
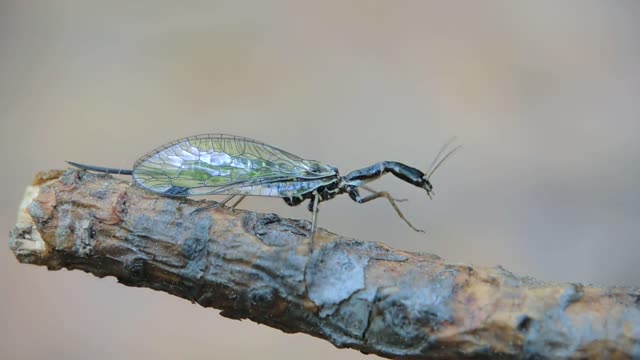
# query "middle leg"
(316, 198)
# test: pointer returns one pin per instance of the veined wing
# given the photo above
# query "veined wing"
(227, 164)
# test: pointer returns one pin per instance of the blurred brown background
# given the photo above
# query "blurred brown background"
(544, 96)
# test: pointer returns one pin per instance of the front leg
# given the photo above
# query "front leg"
(355, 195)
(373, 191)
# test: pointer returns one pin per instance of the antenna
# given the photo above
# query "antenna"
(437, 161)
(442, 160)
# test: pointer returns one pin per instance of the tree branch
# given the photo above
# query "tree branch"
(353, 293)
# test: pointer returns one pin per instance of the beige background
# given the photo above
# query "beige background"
(544, 95)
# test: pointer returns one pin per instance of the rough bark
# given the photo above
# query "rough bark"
(353, 293)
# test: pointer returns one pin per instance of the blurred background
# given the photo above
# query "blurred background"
(544, 96)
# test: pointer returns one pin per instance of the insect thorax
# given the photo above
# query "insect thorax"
(325, 192)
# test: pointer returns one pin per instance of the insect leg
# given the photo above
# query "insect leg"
(373, 191)
(233, 206)
(230, 197)
(353, 193)
(227, 199)
(221, 203)
(314, 217)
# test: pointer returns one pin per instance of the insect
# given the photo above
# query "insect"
(218, 164)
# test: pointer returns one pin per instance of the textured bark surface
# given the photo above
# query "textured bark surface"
(353, 293)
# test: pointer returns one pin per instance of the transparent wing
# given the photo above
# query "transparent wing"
(227, 164)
